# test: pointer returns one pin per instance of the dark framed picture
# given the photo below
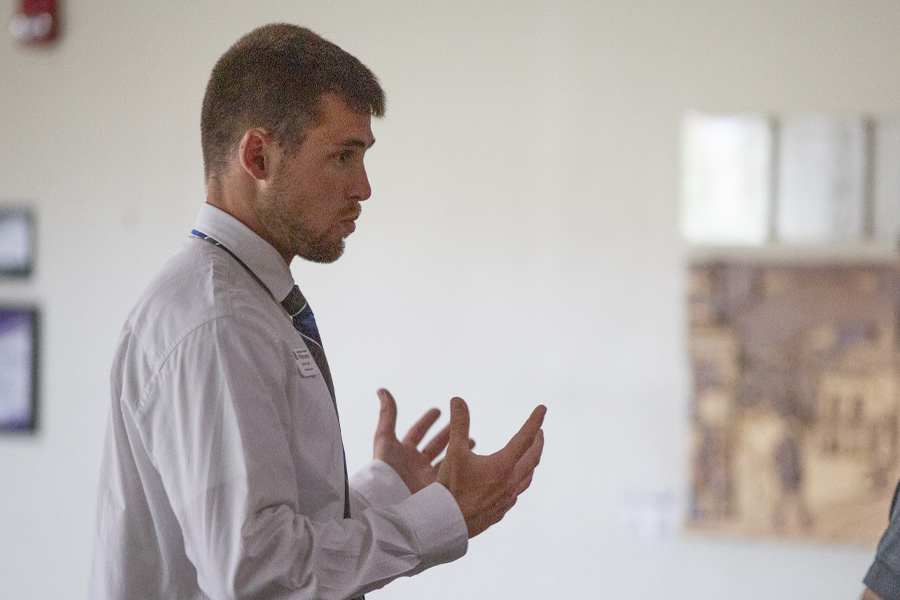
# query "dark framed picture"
(18, 368)
(16, 241)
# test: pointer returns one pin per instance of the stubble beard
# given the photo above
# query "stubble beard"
(291, 233)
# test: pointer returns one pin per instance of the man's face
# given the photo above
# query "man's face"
(313, 199)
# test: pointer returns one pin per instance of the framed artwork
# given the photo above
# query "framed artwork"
(796, 399)
(18, 369)
(16, 242)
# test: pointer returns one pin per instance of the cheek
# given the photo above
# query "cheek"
(331, 194)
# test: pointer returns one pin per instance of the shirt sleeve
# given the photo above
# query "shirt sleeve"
(217, 427)
(375, 486)
(883, 576)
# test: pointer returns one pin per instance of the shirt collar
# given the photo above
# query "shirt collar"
(264, 260)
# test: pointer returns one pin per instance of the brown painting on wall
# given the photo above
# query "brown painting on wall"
(796, 400)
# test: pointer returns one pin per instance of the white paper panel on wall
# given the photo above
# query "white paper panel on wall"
(725, 189)
(793, 181)
(821, 179)
(886, 181)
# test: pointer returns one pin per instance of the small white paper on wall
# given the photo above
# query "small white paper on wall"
(15, 241)
(726, 164)
(650, 515)
(886, 183)
(821, 179)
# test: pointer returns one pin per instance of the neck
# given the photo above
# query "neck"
(238, 199)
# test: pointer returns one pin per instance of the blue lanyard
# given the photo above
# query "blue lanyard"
(219, 244)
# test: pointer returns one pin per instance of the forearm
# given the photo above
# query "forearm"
(277, 553)
(376, 485)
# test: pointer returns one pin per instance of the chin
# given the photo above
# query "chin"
(323, 253)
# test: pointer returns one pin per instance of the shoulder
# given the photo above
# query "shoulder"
(198, 290)
(197, 285)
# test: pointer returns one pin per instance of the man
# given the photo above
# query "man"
(224, 473)
(883, 579)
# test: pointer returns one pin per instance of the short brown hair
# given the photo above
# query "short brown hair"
(274, 78)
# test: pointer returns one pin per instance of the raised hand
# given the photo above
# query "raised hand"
(415, 467)
(486, 487)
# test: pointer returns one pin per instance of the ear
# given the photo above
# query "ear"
(256, 153)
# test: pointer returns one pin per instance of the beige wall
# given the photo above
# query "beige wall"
(520, 247)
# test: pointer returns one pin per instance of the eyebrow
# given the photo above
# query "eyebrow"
(356, 143)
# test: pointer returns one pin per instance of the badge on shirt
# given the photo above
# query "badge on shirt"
(306, 363)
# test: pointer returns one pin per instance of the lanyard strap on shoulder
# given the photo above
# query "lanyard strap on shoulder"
(219, 244)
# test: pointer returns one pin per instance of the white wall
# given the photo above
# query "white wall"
(520, 247)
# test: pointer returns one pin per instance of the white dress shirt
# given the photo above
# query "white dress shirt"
(223, 473)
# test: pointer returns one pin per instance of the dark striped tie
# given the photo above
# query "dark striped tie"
(305, 322)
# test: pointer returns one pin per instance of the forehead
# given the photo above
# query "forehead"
(339, 125)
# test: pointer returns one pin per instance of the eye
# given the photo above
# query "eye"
(345, 156)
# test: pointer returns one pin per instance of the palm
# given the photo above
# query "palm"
(485, 487)
(416, 467)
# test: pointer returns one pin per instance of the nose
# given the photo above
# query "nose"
(360, 189)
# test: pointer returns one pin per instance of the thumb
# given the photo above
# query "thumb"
(459, 423)
(387, 416)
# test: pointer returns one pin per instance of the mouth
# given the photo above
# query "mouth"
(348, 223)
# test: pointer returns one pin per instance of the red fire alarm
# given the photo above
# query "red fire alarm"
(36, 22)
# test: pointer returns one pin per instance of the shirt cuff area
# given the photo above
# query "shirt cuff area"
(438, 523)
(379, 485)
(883, 580)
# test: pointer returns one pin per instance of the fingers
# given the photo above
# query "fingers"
(437, 444)
(387, 416)
(523, 485)
(525, 437)
(459, 423)
(418, 431)
(524, 469)
(437, 465)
